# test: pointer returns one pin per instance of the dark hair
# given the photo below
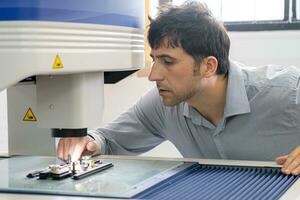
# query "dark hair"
(192, 27)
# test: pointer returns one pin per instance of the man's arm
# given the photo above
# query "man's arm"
(291, 162)
(137, 130)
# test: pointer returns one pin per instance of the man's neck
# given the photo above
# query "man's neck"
(211, 102)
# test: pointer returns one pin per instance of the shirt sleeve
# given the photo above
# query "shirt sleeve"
(135, 131)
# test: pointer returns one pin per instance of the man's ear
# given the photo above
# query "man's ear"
(211, 66)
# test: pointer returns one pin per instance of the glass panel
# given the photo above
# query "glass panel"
(153, 7)
(246, 10)
(113, 182)
(269, 9)
(214, 6)
(236, 10)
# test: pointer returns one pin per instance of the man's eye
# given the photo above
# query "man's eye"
(167, 61)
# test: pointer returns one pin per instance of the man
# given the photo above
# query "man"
(207, 106)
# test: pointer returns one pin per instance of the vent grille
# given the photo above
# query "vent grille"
(221, 182)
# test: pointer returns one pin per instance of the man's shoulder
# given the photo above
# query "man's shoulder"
(271, 76)
(272, 83)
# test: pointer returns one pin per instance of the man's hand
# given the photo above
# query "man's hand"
(76, 147)
(290, 162)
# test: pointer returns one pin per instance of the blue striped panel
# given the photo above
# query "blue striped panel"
(128, 13)
(221, 182)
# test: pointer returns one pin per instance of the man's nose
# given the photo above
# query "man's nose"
(155, 74)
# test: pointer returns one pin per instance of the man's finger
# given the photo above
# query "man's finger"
(291, 157)
(66, 145)
(79, 148)
(60, 149)
(296, 171)
(74, 142)
(292, 161)
(92, 146)
(293, 165)
(281, 159)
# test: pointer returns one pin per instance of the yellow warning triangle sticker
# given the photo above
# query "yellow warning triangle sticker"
(57, 63)
(29, 116)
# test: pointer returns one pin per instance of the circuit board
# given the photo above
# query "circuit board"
(77, 170)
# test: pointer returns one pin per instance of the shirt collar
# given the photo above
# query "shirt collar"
(195, 116)
(236, 97)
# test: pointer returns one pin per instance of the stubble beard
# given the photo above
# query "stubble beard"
(176, 99)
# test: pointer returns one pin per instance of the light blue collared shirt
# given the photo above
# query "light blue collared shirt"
(261, 120)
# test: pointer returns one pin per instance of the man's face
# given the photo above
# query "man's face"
(176, 74)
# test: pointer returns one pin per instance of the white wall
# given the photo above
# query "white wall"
(266, 47)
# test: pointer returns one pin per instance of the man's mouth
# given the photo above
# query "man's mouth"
(163, 91)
